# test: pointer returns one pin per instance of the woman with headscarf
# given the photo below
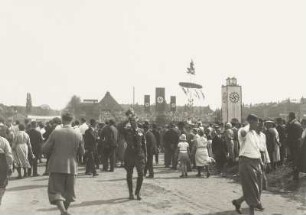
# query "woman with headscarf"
(202, 158)
(21, 150)
(6, 163)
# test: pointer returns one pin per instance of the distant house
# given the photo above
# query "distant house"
(107, 108)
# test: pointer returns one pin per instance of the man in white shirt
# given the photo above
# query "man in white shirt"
(250, 166)
(83, 127)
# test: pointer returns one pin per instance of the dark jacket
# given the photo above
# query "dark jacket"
(171, 139)
(36, 141)
(109, 137)
(136, 148)
(150, 143)
(294, 133)
(90, 139)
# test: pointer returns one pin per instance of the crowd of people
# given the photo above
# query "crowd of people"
(254, 148)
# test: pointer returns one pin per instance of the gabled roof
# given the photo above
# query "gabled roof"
(108, 103)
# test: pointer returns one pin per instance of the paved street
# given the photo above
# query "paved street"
(166, 194)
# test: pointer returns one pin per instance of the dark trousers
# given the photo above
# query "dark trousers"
(90, 164)
(129, 167)
(156, 158)
(33, 163)
(167, 157)
(108, 159)
(149, 165)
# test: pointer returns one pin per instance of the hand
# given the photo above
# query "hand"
(33, 156)
(243, 133)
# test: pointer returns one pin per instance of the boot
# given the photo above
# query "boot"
(2, 190)
(138, 187)
(19, 172)
(130, 186)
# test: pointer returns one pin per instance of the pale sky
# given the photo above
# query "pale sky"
(55, 49)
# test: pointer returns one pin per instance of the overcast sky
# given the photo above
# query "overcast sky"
(55, 49)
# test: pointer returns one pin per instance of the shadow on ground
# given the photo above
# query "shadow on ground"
(27, 187)
(91, 203)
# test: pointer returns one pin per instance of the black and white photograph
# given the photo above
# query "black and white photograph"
(152, 107)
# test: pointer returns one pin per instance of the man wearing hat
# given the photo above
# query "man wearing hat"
(134, 154)
(250, 166)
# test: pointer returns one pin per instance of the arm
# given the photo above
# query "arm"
(47, 147)
(8, 153)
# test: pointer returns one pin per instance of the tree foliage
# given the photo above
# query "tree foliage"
(74, 106)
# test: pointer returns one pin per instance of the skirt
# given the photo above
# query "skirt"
(183, 158)
(202, 157)
(20, 155)
(3, 171)
(251, 180)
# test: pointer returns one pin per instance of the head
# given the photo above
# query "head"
(252, 119)
(83, 120)
(133, 123)
(260, 126)
(92, 123)
(33, 124)
(111, 122)
(17, 122)
(146, 125)
(56, 121)
(269, 124)
(279, 121)
(183, 138)
(21, 127)
(76, 123)
(228, 125)
(201, 132)
(291, 116)
(67, 118)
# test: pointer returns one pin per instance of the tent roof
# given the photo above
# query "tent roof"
(108, 103)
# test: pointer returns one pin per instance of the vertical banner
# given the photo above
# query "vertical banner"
(160, 100)
(224, 110)
(173, 103)
(234, 103)
(147, 103)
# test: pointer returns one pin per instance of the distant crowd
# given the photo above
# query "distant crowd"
(131, 143)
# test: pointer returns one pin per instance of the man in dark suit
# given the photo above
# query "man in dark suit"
(151, 149)
(36, 142)
(171, 139)
(90, 139)
(294, 133)
(109, 137)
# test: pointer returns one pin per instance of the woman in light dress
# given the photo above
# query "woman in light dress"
(202, 158)
(21, 151)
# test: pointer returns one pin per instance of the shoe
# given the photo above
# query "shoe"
(237, 206)
(95, 174)
(138, 197)
(45, 174)
(35, 175)
(259, 208)
(111, 170)
(186, 175)
(87, 173)
(198, 175)
(207, 175)
(182, 176)
(131, 197)
(150, 176)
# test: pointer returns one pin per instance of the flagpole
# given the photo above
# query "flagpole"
(133, 96)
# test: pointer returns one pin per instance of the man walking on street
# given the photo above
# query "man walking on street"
(62, 147)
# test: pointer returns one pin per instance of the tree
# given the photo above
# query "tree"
(29, 104)
(74, 105)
